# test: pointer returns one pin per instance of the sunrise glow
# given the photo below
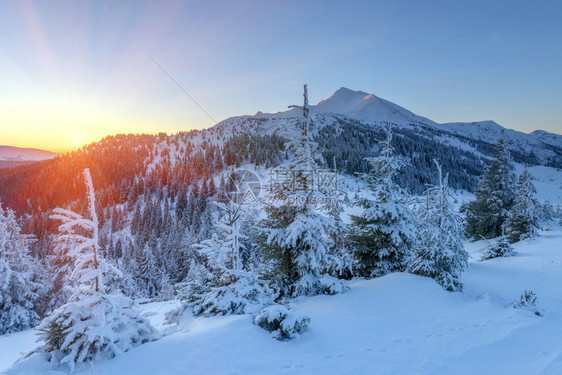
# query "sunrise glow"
(280, 187)
(87, 67)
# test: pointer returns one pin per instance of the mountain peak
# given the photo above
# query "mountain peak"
(345, 94)
(344, 100)
(365, 106)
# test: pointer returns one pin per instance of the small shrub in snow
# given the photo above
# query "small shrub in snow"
(501, 248)
(246, 295)
(528, 300)
(173, 316)
(331, 285)
(283, 322)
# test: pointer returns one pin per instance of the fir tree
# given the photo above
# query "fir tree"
(148, 273)
(92, 324)
(232, 289)
(523, 218)
(486, 215)
(222, 196)
(333, 207)
(439, 251)
(499, 248)
(60, 268)
(383, 235)
(19, 277)
(295, 236)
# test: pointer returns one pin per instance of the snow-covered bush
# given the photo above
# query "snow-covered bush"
(528, 300)
(500, 248)
(246, 295)
(331, 285)
(284, 322)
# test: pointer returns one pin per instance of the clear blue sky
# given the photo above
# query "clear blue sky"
(73, 71)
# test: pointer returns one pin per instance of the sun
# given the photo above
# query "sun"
(77, 140)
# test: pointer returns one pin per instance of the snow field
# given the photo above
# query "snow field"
(399, 323)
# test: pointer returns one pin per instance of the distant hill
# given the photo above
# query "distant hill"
(347, 126)
(11, 156)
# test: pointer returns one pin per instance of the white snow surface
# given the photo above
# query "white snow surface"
(396, 324)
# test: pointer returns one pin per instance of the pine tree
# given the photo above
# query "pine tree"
(222, 196)
(486, 215)
(166, 291)
(92, 324)
(295, 237)
(60, 268)
(439, 251)
(232, 289)
(384, 233)
(333, 207)
(523, 218)
(499, 248)
(148, 273)
(19, 277)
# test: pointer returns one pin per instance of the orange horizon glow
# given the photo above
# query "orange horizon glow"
(62, 123)
(73, 73)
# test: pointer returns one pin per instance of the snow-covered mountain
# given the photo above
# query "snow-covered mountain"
(538, 147)
(10, 153)
(366, 107)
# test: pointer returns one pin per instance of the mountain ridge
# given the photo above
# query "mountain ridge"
(544, 146)
(22, 154)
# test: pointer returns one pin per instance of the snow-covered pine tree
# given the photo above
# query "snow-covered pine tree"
(439, 251)
(58, 272)
(92, 324)
(333, 207)
(149, 274)
(19, 277)
(499, 248)
(233, 289)
(166, 291)
(523, 219)
(295, 236)
(384, 233)
(486, 215)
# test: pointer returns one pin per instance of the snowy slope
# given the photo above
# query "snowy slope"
(399, 323)
(10, 153)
